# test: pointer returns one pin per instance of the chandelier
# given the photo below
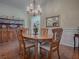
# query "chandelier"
(34, 8)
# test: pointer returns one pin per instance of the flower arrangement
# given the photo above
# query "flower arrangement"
(35, 29)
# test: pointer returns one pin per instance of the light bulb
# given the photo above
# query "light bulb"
(39, 8)
(31, 6)
(27, 9)
(36, 11)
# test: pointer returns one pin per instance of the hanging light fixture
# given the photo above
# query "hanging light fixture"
(34, 9)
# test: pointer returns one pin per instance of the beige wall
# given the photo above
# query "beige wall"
(69, 17)
(7, 10)
(67, 9)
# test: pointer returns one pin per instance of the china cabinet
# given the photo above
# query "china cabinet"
(8, 27)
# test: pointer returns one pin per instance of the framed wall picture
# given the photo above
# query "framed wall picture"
(52, 21)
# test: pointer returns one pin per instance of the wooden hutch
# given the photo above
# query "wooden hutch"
(8, 28)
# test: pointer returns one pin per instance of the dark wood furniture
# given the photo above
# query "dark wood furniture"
(76, 36)
(24, 44)
(8, 28)
(37, 39)
(8, 38)
(25, 31)
(52, 45)
(44, 31)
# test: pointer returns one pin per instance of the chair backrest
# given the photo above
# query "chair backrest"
(22, 47)
(25, 31)
(44, 31)
(20, 38)
(57, 34)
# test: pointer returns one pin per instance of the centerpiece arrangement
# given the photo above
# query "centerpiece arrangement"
(35, 29)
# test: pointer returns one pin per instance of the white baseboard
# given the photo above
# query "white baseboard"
(67, 37)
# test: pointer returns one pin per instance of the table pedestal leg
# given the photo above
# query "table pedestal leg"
(36, 49)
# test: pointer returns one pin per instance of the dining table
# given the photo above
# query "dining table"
(37, 39)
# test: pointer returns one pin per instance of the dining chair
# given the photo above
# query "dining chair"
(24, 45)
(4, 35)
(25, 31)
(44, 31)
(52, 45)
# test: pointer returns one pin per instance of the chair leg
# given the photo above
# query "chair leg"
(58, 53)
(49, 55)
(29, 52)
(42, 54)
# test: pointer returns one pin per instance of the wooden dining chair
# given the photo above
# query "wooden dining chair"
(53, 44)
(44, 31)
(25, 31)
(24, 45)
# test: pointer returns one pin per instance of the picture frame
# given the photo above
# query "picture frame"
(52, 21)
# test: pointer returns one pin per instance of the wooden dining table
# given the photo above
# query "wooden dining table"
(37, 39)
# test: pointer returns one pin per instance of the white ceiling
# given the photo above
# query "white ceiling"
(21, 4)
